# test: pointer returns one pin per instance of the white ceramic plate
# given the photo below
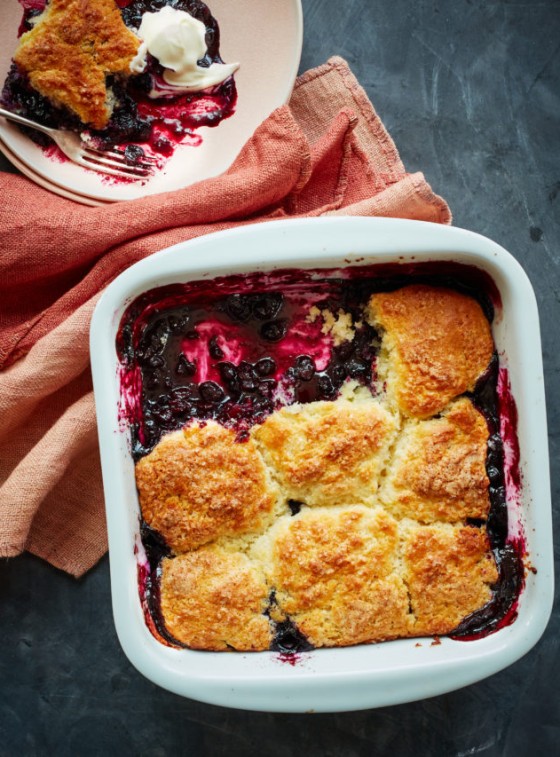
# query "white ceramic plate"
(368, 675)
(265, 36)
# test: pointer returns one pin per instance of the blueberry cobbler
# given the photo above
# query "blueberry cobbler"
(318, 459)
(141, 73)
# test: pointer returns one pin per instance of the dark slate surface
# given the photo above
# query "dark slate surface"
(470, 91)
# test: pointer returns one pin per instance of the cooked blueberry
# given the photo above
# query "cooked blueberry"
(338, 373)
(495, 443)
(366, 352)
(267, 387)
(153, 341)
(291, 374)
(214, 349)
(173, 322)
(126, 345)
(325, 386)
(247, 376)
(295, 506)
(289, 639)
(274, 331)
(267, 306)
(185, 367)
(133, 154)
(355, 368)
(181, 398)
(494, 474)
(238, 307)
(178, 323)
(211, 392)
(228, 371)
(153, 381)
(344, 350)
(265, 366)
(163, 414)
(246, 371)
(156, 361)
(178, 403)
(261, 405)
(248, 385)
(304, 367)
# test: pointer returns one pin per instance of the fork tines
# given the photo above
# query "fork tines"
(115, 159)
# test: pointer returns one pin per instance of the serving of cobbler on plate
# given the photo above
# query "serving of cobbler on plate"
(143, 74)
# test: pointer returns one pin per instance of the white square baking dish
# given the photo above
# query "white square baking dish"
(364, 676)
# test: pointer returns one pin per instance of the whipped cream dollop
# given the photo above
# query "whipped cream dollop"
(177, 40)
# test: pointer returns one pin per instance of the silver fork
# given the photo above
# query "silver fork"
(113, 162)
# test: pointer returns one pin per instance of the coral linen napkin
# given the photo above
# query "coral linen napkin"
(326, 153)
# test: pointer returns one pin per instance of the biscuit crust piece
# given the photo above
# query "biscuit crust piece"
(449, 571)
(333, 571)
(200, 483)
(214, 600)
(328, 453)
(71, 49)
(438, 469)
(436, 344)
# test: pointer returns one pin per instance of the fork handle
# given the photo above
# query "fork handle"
(24, 121)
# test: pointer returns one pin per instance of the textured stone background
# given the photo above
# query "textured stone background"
(470, 91)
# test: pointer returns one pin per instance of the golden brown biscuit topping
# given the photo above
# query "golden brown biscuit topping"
(213, 599)
(438, 469)
(327, 453)
(436, 344)
(72, 48)
(448, 571)
(200, 484)
(334, 573)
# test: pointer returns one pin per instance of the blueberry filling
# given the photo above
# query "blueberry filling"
(294, 506)
(289, 640)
